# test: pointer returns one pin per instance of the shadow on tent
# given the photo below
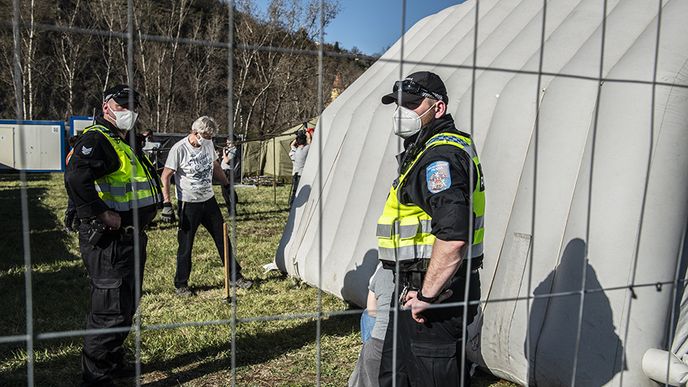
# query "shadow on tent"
(553, 325)
(301, 198)
(358, 278)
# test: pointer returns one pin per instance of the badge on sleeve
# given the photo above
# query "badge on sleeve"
(86, 151)
(437, 176)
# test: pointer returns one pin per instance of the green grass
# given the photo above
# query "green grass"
(274, 353)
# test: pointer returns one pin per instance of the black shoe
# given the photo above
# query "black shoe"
(184, 291)
(242, 283)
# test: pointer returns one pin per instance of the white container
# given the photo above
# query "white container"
(35, 146)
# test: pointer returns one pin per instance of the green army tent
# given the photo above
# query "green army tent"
(271, 157)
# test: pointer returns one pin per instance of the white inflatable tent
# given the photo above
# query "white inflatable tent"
(592, 190)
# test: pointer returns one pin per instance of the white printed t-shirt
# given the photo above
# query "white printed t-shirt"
(193, 168)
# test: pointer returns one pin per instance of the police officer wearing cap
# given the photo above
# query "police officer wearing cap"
(107, 180)
(432, 227)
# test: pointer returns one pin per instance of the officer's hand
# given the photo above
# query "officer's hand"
(167, 213)
(110, 219)
(417, 306)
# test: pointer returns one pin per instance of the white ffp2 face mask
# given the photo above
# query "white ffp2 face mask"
(125, 119)
(407, 122)
(200, 140)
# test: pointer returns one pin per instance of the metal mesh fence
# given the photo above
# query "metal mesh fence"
(132, 38)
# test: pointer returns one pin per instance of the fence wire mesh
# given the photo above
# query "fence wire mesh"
(133, 37)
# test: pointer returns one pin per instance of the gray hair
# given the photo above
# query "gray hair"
(204, 125)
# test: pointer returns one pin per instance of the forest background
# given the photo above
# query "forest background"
(72, 50)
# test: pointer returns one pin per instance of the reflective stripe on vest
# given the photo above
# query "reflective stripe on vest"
(411, 252)
(123, 190)
(129, 186)
(404, 231)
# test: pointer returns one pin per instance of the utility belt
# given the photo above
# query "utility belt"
(412, 273)
(95, 230)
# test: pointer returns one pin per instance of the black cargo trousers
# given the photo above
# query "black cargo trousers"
(191, 216)
(111, 268)
(430, 354)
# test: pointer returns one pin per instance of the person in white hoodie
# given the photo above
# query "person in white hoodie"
(298, 154)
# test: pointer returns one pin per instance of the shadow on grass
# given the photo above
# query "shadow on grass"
(13, 175)
(58, 281)
(240, 217)
(47, 239)
(52, 286)
(158, 224)
(261, 215)
(60, 300)
(252, 349)
(257, 282)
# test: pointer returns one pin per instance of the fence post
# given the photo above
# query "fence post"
(225, 233)
(274, 169)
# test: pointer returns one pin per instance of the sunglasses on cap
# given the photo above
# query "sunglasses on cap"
(411, 87)
(122, 94)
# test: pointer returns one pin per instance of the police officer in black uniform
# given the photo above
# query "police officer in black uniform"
(426, 230)
(107, 180)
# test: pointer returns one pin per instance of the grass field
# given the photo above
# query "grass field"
(274, 353)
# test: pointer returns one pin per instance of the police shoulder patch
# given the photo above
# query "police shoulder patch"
(437, 176)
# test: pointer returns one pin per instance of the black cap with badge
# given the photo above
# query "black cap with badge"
(416, 87)
(120, 94)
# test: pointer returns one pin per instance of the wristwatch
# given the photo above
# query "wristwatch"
(429, 300)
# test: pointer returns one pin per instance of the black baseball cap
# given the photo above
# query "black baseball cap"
(416, 87)
(120, 94)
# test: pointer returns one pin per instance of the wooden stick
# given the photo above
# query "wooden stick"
(226, 253)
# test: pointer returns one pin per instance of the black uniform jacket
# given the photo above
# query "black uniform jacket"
(93, 158)
(450, 208)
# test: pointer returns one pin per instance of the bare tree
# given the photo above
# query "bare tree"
(207, 64)
(110, 15)
(70, 50)
(7, 74)
(173, 64)
(266, 79)
(159, 80)
(274, 84)
(28, 63)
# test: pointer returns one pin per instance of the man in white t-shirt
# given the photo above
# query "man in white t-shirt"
(193, 162)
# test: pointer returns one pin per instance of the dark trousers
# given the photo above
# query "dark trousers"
(111, 268)
(231, 198)
(367, 367)
(430, 354)
(294, 185)
(192, 215)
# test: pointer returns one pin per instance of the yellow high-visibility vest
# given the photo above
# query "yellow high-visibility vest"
(403, 230)
(131, 185)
